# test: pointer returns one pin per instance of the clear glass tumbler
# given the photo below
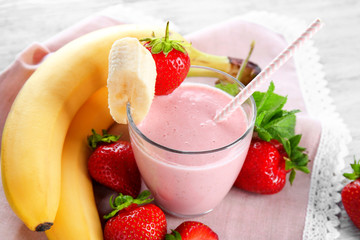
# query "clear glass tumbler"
(191, 183)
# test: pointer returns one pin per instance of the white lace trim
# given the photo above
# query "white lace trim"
(322, 220)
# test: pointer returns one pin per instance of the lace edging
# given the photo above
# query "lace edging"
(322, 212)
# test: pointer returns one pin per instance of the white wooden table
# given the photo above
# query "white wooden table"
(23, 22)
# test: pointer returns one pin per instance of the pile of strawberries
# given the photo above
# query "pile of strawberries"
(113, 165)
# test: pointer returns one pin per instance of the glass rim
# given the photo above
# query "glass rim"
(249, 127)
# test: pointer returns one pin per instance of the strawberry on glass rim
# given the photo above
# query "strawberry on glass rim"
(172, 62)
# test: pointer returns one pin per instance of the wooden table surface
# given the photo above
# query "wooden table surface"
(23, 22)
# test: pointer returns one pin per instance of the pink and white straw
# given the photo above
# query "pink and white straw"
(267, 71)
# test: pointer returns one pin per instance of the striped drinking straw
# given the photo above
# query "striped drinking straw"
(267, 71)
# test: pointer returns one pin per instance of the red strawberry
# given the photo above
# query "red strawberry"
(113, 164)
(351, 194)
(263, 170)
(192, 230)
(172, 62)
(131, 221)
(274, 150)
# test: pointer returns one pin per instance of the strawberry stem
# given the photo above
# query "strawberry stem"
(175, 235)
(95, 138)
(356, 171)
(167, 32)
(123, 201)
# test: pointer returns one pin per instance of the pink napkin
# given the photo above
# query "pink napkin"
(241, 215)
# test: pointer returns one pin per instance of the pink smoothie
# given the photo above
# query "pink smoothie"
(191, 183)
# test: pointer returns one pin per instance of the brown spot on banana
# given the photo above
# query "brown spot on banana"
(250, 71)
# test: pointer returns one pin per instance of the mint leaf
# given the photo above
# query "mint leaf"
(269, 101)
(271, 118)
(230, 88)
(263, 134)
(281, 126)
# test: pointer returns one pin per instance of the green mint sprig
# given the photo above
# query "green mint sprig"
(272, 122)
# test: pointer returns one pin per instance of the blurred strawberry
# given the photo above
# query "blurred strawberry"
(172, 62)
(351, 194)
(113, 165)
(192, 230)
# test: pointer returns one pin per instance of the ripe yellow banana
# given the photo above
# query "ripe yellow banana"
(77, 216)
(36, 126)
(38, 121)
(132, 75)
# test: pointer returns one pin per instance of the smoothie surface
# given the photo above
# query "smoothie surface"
(183, 120)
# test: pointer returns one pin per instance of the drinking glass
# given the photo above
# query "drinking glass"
(191, 183)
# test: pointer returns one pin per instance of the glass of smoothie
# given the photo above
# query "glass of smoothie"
(188, 161)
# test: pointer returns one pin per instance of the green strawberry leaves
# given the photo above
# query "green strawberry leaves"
(95, 138)
(163, 44)
(124, 201)
(356, 171)
(175, 235)
(297, 160)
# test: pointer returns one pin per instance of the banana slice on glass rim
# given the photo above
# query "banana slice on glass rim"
(131, 78)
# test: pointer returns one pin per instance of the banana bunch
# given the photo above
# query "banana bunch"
(44, 152)
(77, 216)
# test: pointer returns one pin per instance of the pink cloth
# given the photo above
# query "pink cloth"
(241, 215)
